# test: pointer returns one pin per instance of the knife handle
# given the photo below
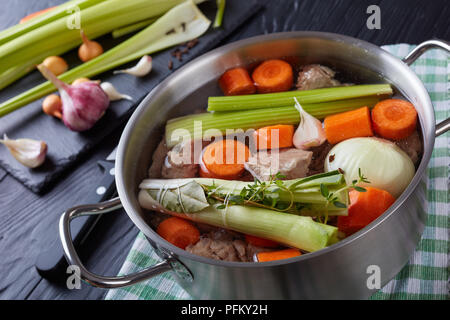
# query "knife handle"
(51, 264)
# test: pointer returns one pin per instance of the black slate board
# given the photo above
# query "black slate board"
(65, 147)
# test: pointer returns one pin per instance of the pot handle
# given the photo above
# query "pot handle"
(73, 259)
(443, 126)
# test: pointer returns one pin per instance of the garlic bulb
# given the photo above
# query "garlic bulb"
(30, 153)
(310, 132)
(82, 104)
(112, 93)
(143, 67)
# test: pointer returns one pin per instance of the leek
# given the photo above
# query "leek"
(152, 39)
(289, 229)
(304, 192)
(283, 99)
(198, 126)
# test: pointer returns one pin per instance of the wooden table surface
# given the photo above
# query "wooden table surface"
(28, 222)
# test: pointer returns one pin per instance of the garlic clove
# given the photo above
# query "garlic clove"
(112, 93)
(31, 153)
(310, 132)
(143, 67)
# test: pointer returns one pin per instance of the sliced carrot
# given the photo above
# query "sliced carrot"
(224, 159)
(35, 14)
(364, 208)
(346, 125)
(282, 133)
(277, 255)
(273, 76)
(261, 242)
(178, 232)
(236, 81)
(394, 119)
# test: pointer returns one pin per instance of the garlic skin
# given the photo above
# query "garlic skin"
(310, 132)
(31, 153)
(83, 104)
(112, 93)
(143, 67)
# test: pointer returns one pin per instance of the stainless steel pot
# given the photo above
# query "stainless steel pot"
(339, 271)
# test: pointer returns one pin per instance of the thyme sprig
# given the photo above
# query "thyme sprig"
(263, 194)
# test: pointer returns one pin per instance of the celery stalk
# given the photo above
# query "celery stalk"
(62, 10)
(152, 39)
(99, 19)
(133, 27)
(189, 126)
(282, 99)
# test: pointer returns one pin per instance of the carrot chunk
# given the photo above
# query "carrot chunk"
(261, 242)
(394, 119)
(178, 232)
(35, 14)
(282, 133)
(277, 255)
(224, 159)
(346, 125)
(364, 208)
(236, 81)
(273, 76)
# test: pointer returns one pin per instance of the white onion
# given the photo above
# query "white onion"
(384, 164)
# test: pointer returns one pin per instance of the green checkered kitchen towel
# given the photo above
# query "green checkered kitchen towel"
(426, 274)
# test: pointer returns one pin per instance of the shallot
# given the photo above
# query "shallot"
(89, 49)
(112, 92)
(56, 65)
(310, 132)
(31, 153)
(82, 104)
(52, 105)
(142, 68)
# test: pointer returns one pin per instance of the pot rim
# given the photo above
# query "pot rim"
(350, 41)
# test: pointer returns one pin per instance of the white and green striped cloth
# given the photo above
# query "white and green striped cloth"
(426, 274)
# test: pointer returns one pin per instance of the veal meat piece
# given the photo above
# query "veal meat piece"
(224, 245)
(315, 76)
(412, 146)
(182, 160)
(291, 162)
(158, 157)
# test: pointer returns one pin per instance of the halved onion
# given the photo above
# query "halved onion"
(384, 164)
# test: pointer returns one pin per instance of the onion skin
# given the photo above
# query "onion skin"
(382, 162)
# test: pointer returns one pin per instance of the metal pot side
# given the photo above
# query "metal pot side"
(341, 271)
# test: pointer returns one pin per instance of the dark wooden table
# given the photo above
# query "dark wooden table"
(28, 222)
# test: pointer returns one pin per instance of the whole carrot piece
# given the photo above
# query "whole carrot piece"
(35, 14)
(277, 255)
(178, 232)
(346, 125)
(394, 119)
(282, 134)
(236, 81)
(364, 208)
(273, 76)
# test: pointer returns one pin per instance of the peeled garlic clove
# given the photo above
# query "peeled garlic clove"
(143, 67)
(112, 93)
(310, 132)
(30, 153)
